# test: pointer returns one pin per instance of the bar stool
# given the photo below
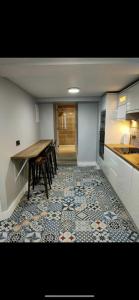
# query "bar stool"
(31, 174)
(53, 151)
(40, 163)
(48, 155)
(35, 165)
(38, 170)
(53, 156)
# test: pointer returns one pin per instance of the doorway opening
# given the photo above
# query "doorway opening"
(66, 132)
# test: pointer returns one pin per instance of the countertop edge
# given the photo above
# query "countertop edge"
(120, 155)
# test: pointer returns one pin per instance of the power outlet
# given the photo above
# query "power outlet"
(17, 143)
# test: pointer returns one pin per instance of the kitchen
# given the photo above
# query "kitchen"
(94, 198)
(120, 161)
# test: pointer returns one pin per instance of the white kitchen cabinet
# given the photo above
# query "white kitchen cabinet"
(125, 180)
(122, 98)
(133, 205)
(133, 98)
(119, 173)
(121, 112)
(109, 166)
(122, 102)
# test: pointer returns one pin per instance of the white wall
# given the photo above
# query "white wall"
(17, 122)
(87, 132)
(46, 127)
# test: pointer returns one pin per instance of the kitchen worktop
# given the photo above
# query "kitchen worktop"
(132, 159)
(32, 151)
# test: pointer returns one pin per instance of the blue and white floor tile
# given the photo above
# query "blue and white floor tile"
(82, 207)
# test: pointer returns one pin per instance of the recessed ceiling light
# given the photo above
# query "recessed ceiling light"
(73, 90)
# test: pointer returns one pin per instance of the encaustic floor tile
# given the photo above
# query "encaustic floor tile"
(82, 207)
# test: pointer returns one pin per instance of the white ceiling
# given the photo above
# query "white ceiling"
(51, 77)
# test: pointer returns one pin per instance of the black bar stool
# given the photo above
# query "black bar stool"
(31, 173)
(47, 170)
(35, 166)
(53, 156)
(49, 157)
(40, 163)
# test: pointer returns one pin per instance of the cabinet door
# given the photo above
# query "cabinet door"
(110, 166)
(122, 99)
(121, 112)
(119, 173)
(124, 180)
(133, 204)
(133, 99)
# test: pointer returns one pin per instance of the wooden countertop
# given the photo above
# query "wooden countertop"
(32, 151)
(132, 158)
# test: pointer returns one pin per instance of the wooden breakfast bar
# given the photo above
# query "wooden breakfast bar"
(31, 153)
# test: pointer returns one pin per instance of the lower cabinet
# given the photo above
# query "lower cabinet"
(125, 181)
(134, 201)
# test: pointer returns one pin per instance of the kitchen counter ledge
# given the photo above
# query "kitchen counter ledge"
(132, 158)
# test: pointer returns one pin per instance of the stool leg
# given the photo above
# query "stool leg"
(39, 173)
(45, 180)
(55, 162)
(50, 170)
(33, 176)
(29, 179)
(51, 165)
(48, 174)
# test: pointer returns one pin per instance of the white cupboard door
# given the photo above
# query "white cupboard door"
(133, 99)
(119, 173)
(122, 99)
(124, 181)
(110, 168)
(134, 200)
(121, 112)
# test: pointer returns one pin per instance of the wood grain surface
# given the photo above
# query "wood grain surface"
(32, 151)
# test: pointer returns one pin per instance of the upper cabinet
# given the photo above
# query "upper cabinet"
(128, 101)
(121, 112)
(133, 99)
(122, 102)
(122, 99)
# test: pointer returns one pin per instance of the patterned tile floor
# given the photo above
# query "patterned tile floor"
(82, 207)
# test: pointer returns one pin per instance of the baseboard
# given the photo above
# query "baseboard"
(7, 213)
(100, 162)
(87, 164)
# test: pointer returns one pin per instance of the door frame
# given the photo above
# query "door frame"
(56, 136)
